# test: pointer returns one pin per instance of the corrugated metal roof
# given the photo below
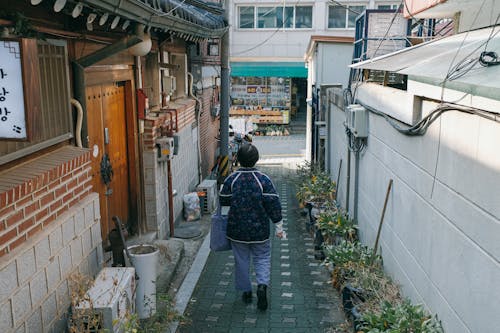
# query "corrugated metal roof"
(430, 62)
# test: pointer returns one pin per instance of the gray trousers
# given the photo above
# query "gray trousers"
(244, 254)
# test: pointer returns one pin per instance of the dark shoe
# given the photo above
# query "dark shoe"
(262, 297)
(247, 297)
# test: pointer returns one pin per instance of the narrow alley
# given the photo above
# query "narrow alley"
(301, 297)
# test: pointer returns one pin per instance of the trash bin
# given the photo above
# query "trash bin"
(145, 259)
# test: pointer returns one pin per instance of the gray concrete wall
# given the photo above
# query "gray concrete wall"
(332, 61)
(34, 288)
(185, 167)
(184, 180)
(440, 238)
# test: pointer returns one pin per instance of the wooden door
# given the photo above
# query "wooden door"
(107, 130)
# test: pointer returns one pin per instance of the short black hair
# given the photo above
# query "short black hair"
(248, 155)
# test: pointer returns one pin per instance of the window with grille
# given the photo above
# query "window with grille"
(54, 122)
(343, 16)
(275, 17)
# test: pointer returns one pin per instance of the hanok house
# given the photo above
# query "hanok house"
(87, 91)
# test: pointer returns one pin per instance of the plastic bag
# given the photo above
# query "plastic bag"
(192, 210)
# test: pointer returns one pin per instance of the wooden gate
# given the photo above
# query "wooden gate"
(107, 131)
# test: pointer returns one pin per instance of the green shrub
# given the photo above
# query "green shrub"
(401, 318)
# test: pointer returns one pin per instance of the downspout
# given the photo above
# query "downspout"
(78, 130)
(356, 185)
(198, 114)
(141, 205)
(224, 102)
(348, 178)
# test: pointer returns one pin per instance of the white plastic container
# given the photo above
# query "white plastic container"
(145, 259)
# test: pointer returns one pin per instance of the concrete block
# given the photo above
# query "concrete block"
(93, 262)
(150, 176)
(87, 242)
(89, 213)
(55, 241)
(151, 206)
(76, 250)
(59, 325)
(65, 262)
(6, 322)
(100, 256)
(63, 296)
(96, 234)
(26, 266)
(53, 273)
(68, 230)
(34, 322)
(79, 222)
(83, 268)
(21, 329)
(149, 159)
(21, 304)
(38, 288)
(97, 209)
(8, 280)
(49, 311)
(42, 253)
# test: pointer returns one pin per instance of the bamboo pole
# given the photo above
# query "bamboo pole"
(382, 217)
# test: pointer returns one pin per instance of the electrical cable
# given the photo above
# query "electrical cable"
(420, 128)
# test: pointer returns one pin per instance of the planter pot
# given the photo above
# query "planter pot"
(350, 296)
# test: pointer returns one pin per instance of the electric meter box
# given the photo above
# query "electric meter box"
(110, 301)
(357, 120)
(165, 146)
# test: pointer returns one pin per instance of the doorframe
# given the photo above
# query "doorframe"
(101, 75)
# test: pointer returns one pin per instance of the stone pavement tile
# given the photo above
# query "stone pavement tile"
(299, 301)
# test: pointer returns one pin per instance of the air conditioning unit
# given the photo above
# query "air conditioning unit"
(357, 120)
(109, 302)
(208, 186)
(169, 84)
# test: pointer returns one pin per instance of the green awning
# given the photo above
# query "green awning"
(269, 69)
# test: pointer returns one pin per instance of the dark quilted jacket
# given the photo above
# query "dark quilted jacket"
(253, 202)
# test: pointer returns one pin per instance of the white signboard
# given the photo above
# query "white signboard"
(12, 115)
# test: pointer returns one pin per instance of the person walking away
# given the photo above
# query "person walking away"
(253, 202)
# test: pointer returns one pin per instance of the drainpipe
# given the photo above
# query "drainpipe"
(198, 114)
(78, 130)
(79, 66)
(224, 105)
(170, 199)
(348, 180)
(356, 185)
(142, 209)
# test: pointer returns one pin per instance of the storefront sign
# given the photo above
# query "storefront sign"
(12, 110)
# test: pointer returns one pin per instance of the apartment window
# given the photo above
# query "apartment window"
(247, 17)
(343, 17)
(269, 17)
(266, 17)
(392, 6)
(303, 17)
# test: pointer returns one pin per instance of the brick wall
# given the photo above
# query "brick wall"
(179, 114)
(35, 194)
(50, 229)
(184, 165)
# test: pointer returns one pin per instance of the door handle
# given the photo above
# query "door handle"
(106, 135)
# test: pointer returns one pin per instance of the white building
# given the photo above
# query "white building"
(268, 39)
(440, 238)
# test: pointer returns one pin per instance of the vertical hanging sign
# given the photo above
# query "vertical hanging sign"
(12, 108)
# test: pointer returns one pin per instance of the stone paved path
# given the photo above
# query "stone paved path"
(301, 299)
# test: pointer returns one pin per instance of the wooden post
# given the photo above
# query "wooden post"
(382, 217)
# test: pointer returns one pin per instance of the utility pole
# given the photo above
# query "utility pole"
(224, 105)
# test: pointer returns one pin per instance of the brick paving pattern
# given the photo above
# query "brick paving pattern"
(300, 296)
